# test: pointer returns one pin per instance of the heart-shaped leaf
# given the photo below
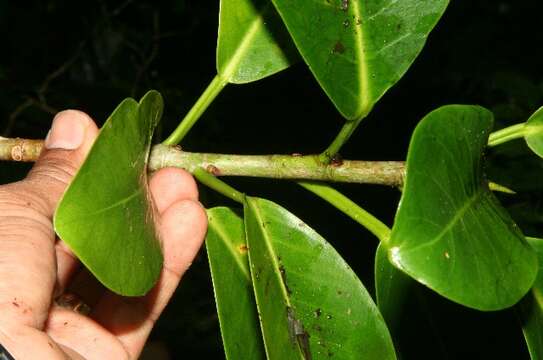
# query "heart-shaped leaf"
(533, 132)
(311, 304)
(530, 309)
(229, 264)
(358, 49)
(106, 215)
(450, 232)
(252, 41)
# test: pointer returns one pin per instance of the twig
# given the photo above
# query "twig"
(293, 167)
(120, 8)
(61, 69)
(15, 114)
(152, 54)
(17, 149)
(40, 101)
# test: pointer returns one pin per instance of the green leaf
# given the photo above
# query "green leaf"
(311, 304)
(358, 49)
(530, 309)
(105, 215)
(533, 132)
(252, 41)
(229, 264)
(450, 231)
(391, 289)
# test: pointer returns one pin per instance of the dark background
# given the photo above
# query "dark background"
(90, 55)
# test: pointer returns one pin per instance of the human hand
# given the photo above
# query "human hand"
(34, 265)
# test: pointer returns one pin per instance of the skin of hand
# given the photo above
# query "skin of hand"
(35, 265)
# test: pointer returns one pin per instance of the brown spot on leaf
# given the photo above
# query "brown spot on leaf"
(338, 48)
(243, 248)
(284, 278)
(297, 334)
(317, 312)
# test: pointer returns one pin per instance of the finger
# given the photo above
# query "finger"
(66, 334)
(27, 242)
(81, 335)
(182, 229)
(66, 146)
(31, 343)
(67, 264)
(169, 185)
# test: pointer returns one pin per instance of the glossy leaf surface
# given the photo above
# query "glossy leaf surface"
(391, 289)
(311, 304)
(530, 308)
(105, 215)
(533, 132)
(357, 49)
(450, 232)
(252, 41)
(229, 264)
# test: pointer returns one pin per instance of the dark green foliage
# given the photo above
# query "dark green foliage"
(89, 55)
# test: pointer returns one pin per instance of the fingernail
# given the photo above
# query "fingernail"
(67, 132)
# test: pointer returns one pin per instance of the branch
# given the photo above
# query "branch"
(294, 167)
(40, 101)
(18, 149)
(152, 54)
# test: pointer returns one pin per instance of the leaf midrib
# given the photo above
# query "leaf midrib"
(452, 222)
(245, 44)
(533, 129)
(267, 241)
(109, 207)
(219, 229)
(363, 68)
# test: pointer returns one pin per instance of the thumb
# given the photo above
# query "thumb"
(66, 146)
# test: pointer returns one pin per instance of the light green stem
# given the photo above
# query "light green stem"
(298, 167)
(347, 206)
(504, 135)
(341, 138)
(207, 97)
(218, 185)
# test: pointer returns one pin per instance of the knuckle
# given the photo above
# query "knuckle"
(23, 201)
(54, 168)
